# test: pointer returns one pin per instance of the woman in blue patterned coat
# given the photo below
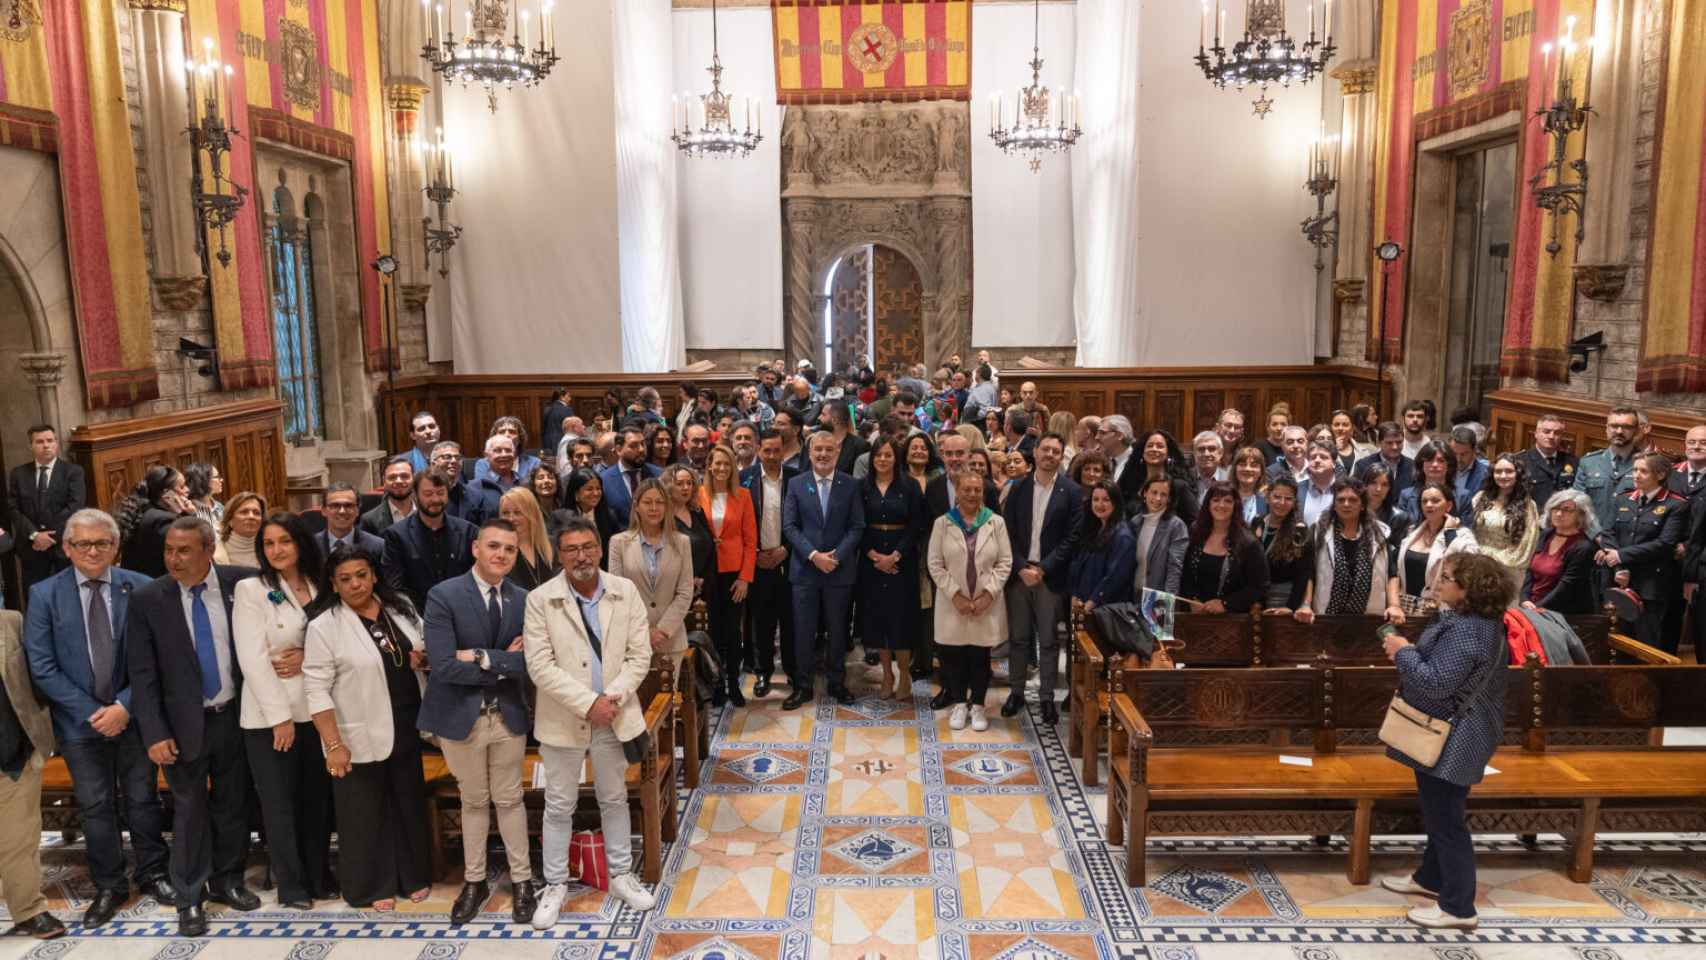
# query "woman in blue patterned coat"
(1455, 671)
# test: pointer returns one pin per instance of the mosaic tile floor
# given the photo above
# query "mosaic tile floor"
(875, 831)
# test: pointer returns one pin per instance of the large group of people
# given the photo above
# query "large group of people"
(946, 523)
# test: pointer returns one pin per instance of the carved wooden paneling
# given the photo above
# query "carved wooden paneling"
(1214, 640)
(1169, 415)
(1087, 402)
(245, 440)
(1130, 404)
(1205, 410)
(1317, 404)
(1248, 402)
(1516, 411)
(1056, 400)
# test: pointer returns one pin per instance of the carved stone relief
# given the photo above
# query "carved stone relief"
(898, 175)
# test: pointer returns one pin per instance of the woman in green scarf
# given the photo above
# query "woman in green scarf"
(969, 561)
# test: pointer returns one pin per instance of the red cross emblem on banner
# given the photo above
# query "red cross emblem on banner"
(872, 47)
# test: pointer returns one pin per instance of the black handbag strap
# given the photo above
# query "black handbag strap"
(1467, 706)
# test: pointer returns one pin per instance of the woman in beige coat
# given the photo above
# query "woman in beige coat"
(659, 560)
(969, 561)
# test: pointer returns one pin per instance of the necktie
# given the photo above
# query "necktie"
(41, 484)
(633, 482)
(494, 625)
(823, 495)
(100, 630)
(205, 655)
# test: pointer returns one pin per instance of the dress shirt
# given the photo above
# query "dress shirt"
(1039, 506)
(589, 606)
(653, 555)
(1693, 477)
(107, 597)
(398, 516)
(1118, 466)
(41, 478)
(770, 529)
(1301, 474)
(332, 540)
(214, 600)
(1315, 502)
(824, 485)
(486, 590)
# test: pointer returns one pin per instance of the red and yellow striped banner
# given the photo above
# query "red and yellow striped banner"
(1673, 343)
(829, 51)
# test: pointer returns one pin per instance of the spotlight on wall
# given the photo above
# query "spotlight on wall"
(1584, 347)
(190, 350)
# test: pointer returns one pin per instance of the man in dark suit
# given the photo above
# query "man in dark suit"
(342, 506)
(460, 499)
(1689, 480)
(185, 684)
(939, 493)
(823, 517)
(1401, 469)
(1042, 513)
(622, 480)
(44, 494)
(474, 703)
(1125, 467)
(76, 629)
(399, 500)
(429, 547)
(770, 602)
(1549, 468)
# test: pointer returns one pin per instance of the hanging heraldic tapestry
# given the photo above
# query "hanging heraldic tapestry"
(828, 51)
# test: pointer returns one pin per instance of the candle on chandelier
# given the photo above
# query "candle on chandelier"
(426, 22)
(525, 32)
(1327, 22)
(1220, 30)
(230, 103)
(1202, 26)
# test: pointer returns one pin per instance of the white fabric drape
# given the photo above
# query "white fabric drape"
(1021, 222)
(1104, 185)
(729, 212)
(652, 334)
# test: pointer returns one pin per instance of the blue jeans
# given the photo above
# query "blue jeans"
(99, 768)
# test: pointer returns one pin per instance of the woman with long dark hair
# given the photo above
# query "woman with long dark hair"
(1225, 569)
(1352, 562)
(1289, 548)
(1162, 456)
(205, 486)
(888, 562)
(1504, 520)
(1161, 538)
(269, 626)
(363, 677)
(543, 482)
(1420, 555)
(1435, 463)
(1106, 559)
(583, 496)
(144, 515)
(1348, 448)
(660, 445)
(1377, 486)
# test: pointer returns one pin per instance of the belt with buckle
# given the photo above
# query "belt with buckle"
(221, 708)
(886, 526)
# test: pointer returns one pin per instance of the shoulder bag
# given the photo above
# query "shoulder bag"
(1419, 736)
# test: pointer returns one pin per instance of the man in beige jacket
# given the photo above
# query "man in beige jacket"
(588, 647)
(26, 741)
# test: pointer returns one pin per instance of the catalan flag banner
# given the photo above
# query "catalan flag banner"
(830, 51)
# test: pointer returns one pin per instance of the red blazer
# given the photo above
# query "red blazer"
(737, 547)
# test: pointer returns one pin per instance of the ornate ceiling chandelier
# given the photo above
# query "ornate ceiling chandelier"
(703, 125)
(1266, 54)
(497, 48)
(1044, 121)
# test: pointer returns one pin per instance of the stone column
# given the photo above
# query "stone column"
(1357, 34)
(158, 26)
(1602, 262)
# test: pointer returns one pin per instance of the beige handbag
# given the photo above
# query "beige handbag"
(1421, 737)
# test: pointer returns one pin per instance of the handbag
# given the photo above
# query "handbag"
(632, 750)
(586, 859)
(1421, 737)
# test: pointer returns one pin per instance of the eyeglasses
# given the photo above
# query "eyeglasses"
(1448, 578)
(86, 545)
(589, 549)
(340, 507)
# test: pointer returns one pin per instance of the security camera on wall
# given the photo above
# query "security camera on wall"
(1584, 347)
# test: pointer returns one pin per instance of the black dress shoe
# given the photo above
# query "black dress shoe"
(1051, 713)
(761, 687)
(719, 698)
(1015, 703)
(871, 658)
(797, 699)
(102, 908)
(939, 701)
(525, 901)
(735, 697)
(295, 903)
(236, 896)
(842, 695)
(920, 671)
(160, 889)
(468, 903)
(192, 921)
(42, 926)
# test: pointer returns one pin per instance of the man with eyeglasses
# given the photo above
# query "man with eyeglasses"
(1606, 474)
(74, 637)
(342, 508)
(447, 462)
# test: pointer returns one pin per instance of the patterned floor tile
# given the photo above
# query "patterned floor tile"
(701, 946)
(874, 772)
(779, 768)
(1032, 946)
(738, 859)
(889, 851)
(1010, 862)
(988, 768)
(857, 924)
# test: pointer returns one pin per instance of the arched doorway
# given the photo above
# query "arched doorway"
(873, 310)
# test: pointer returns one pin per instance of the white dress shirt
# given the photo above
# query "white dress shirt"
(770, 529)
(1039, 507)
(215, 603)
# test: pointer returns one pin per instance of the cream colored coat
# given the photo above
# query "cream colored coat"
(668, 602)
(559, 658)
(947, 565)
(342, 671)
(262, 630)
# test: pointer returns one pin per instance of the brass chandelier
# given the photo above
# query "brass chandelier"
(1044, 121)
(1266, 54)
(498, 48)
(703, 125)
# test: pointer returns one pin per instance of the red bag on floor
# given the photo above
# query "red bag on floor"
(586, 859)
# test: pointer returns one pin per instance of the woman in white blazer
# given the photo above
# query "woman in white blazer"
(969, 561)
(362, 677)
(1429, 542)
(666, 585)
(269, 625)
(1352, 573)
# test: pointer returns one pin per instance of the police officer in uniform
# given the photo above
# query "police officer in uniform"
(1605, 474)
(1548, 468)
(1640, 546)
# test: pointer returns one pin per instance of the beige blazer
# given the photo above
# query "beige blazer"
(260, 630)
(669, 600)
(947, 565)
(15, 673)
(342, 671)
(559, 658)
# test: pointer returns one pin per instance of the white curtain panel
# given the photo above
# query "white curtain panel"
(652, 335)
(729, 211)
(1021, 221)
(1104, 185)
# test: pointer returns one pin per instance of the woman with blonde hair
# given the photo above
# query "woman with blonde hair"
(727, 507)
(659, 560)
(1062, 422)
(535, 560)
(237, 532)
(973, 436)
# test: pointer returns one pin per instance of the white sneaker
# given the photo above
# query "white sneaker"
(957, 717)
(979, 720)
(628, 889)
(550, 905)
(1407, 885)
(1438, 919)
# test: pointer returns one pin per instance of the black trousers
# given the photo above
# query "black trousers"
(1448, 863)
(210, 822)
(99, 768)
(1656, 614)
(769, 609)
(384, 841)
(38, 565)
(296, 805)
(965, 673)
(727, 619)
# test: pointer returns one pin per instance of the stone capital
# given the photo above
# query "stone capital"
(404, 93)
(180, 293)
(1348, 290)
(1356, 76)
(165, 6)
(1601, 281)
(43, 369)
(414, 296)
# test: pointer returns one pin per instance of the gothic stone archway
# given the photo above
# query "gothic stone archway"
(892, 175)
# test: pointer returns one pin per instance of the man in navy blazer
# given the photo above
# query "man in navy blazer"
(1401, 470)
(91, 721)
(1042, 514)
(823, 518)
(621, 480)
(429, 546)
(475, 703)
(186, 683)
(342, 507)
(770, 602)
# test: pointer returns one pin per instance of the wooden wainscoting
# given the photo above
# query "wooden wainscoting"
(244, 440)
(1516, 411)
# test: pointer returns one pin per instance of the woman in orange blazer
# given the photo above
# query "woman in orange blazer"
(728, 507)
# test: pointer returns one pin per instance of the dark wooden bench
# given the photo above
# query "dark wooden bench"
(1552, 776)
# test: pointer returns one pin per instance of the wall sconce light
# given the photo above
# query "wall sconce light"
(440, 190)
(210, 134)
(1558, 119)
(1321, 230)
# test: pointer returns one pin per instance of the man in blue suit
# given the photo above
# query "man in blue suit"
(475, 704)
(74, 631)
(823, 517)
(621, 480)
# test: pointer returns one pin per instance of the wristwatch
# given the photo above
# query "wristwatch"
(484, 658)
